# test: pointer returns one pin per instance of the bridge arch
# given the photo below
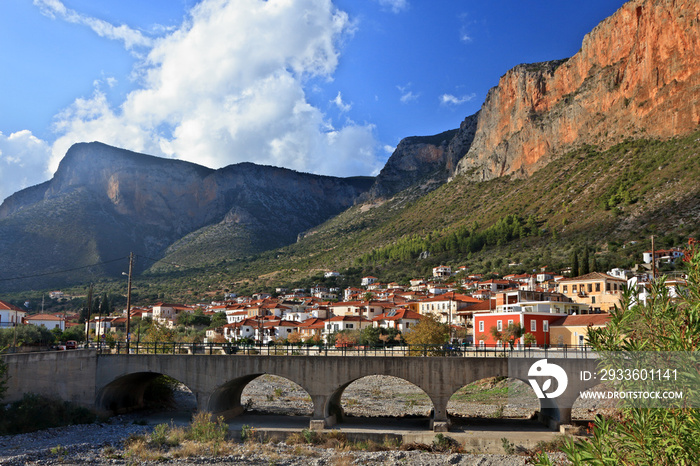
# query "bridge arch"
(127, 392)
(226, 399)
(491, 397)
(334, 412)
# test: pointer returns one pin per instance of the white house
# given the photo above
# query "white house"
(10, 315)
(366, 281)
(46, 320)
(331, 274)
(442, 271)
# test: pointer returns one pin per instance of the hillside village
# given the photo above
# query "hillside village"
(542, 307)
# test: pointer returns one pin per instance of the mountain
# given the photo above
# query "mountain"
(601, 147)
(637, 75)
(104, 202)
(424, 161)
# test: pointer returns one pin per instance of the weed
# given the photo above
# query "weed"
(508, 446)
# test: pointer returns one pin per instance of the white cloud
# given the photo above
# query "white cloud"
(406, 94)
(228, 86)
(449, 99)
(131, 37)
(342, 106)
(395, 6)
(22, 162)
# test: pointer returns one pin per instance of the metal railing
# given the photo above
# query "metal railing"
(465, 351)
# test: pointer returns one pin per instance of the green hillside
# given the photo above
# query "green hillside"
(588, 198)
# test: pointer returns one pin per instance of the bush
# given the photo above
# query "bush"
(204, 430)
(35, 412)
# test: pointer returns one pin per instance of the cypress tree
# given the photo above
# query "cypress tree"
(586, 262)
(574, 264)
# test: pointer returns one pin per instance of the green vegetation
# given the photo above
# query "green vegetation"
(36, 412)
(644, 436)
(27, 335)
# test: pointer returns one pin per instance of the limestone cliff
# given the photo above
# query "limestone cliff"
(424, 161)
(637, 75)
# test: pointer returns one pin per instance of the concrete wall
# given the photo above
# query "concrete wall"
(67, 375)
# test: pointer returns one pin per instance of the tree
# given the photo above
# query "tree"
(586, 262)
(428, 331)
(574, 264)
(644, 435)
(512, 333)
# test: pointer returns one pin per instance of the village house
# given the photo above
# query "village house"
(46, 320)
(442, 271)
(346, 322)
(366, 281)
(311, 328)
(573, 330)
(400, 319)
(165, 313)
(600, 291)
(662, 255)
(533, 311)
(10, 315)
(642, 283)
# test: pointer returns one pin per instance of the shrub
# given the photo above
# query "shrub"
(203, 429)
(35, 412)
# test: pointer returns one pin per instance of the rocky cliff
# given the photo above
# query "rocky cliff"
(637, 75)
(424, 161)
(104, 202)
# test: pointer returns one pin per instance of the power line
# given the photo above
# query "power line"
(62, 271)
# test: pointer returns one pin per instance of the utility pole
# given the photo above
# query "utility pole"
(653, 259)
(128, 302)
(87, 326)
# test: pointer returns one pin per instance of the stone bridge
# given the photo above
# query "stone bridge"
(114, 382)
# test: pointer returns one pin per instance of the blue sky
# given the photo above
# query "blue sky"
(320, 86)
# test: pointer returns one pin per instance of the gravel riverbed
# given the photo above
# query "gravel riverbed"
(376, 396)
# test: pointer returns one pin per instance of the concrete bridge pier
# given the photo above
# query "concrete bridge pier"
(555, 412)
(439, 422)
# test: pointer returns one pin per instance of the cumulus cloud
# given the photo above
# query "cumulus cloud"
(228, 86)
(131, 37)
(449, 99)
(22, 162)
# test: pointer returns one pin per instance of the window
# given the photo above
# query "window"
(510, 322)
(590, 287)
(597, 286)
(592, 299)
(573, 288)
(499, 325)
(533, 325)
(566, 288)
(607, 287)
(350, 326)
(545, 325)
(481, 325)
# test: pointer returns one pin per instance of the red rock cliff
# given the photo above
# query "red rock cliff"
(637, 75)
